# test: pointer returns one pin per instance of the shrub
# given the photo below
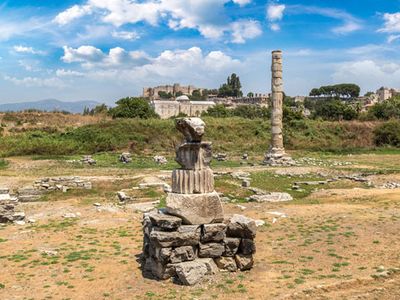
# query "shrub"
(217, 111)
(386, 110)
(131, 107)
(388, 134)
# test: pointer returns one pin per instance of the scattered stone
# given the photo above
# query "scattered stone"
(259, 223)
(96, 204)
(272, 197)
(246, 183)
(8, 213)
(87, 159)
(70, 216)
(221, 156)
(123, 197)
(125, 157)
(160, 160)
(245, 156)
(30, 220)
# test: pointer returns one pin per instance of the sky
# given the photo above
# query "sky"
(104, 50)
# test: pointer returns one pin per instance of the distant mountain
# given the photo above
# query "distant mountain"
(49, 105)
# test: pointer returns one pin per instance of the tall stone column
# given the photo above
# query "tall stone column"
(276, 154)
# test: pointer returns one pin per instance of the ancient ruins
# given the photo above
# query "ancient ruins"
(192, 238)
(276, 155)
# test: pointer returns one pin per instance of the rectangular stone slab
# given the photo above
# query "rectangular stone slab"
(195, 208)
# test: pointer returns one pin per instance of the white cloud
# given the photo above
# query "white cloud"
(72, 13)
(368, 73)
(206, 16)
(120, 66)
(350, 23)
(392, 23)
(24, 49)
(36, 82)
(393, 38)
(68, 73)
(245, 29)
(274, 27)
(125, 35)
(91, 57)
(275, 12)
(82, 54)
(241, 2)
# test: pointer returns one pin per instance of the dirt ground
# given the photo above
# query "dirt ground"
(340, 243)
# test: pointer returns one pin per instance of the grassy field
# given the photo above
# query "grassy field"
(232, 135)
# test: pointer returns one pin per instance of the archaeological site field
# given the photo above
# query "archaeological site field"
(82, 234)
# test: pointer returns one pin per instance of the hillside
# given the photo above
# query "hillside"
(48, 105)
(231, 135)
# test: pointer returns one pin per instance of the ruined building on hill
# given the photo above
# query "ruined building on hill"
(153, 93)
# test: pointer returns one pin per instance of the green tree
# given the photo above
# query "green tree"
(86, 111)
(334, 110)
(386, 110)
(338, 91)
(164, 95)
(232, 87)
(251, 112)
(131, 107)
(388, 134)
(217, 111)
(101, 109)
(250, 94)
(196, 95)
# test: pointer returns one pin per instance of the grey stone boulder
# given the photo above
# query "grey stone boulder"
(213, 232)
(185, 236)
(247, 246)
(158, 270)
(210, 264)
(211, 250)
(165, 222)
(272, 197)
(231, 246)
(191, 272)
(241, 227)
(182, 254)
(195, 208)
(191, 128)
(244, 262)
(226, 263)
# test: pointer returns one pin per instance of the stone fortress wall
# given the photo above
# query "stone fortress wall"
(152, 92)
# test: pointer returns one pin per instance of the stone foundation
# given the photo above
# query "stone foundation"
(189, 253)
(278, 157)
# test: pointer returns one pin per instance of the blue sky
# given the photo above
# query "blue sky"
(107, 49)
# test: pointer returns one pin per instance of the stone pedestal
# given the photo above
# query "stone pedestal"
(195, 208)
(190, 238)
(188, 253)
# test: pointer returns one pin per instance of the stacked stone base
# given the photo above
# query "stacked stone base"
(277, 157)
(189, 253)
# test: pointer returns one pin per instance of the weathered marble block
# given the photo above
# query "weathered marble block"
(194, 156)
(195, 208)
(192, 181)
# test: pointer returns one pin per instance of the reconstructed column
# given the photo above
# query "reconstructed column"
(193, 197)
(276, 154)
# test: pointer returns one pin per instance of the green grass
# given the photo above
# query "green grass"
(231, 135)
(3, 164)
